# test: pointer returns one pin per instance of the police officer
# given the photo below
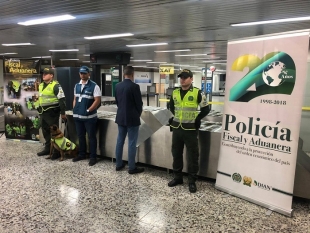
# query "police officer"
(51, 103)
(183, 104)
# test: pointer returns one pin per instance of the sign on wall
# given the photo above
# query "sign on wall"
(265, 84)
(21, 85)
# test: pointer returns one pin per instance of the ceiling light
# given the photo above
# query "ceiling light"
(47, 20)
(141, 45)
(152, 67)
(18, 44)
(190, 55)
(43, 57)
(204, 58)
(139, 66)
(73, 59)
(211, 61)
(7, 53)
(172, 51)
(157, 62)
(108, 36)
(86, 55)
(271, 21)
(85, 61)
(140, 60)
(220, 63)
(63, 50)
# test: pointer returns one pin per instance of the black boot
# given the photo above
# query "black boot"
(45, 151)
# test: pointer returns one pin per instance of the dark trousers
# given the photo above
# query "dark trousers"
(190, 139)
(48, 118)
(89, 126)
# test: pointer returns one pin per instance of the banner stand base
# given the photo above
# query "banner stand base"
(266, 205)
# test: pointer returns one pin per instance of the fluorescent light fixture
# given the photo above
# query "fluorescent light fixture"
(271, 21)
(219, 63)
(73, 59)
(64, 50)
(184, 65)
(140, 60)
(191, 55)
(139, 66)
(197, 71)
(43, 57)
(17, 44)
(211, 61)
(155, 62)
(172, 51)
(131, 57)
(204, 58)
(152, 67)
(141, 45)
(107, 36)
(7, 53)
(86, 61)
(47, 20)
(86, 55)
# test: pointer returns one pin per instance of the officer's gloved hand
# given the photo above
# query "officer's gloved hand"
(197, 123)
(170, 120)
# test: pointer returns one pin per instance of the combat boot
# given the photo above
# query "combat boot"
(45, 151)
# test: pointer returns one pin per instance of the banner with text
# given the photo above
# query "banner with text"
(266, 80)
(21, 81)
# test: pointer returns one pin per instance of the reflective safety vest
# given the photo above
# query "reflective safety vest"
(47, 97)
(29, 105)
(16, 129)
(64, 143)
(16, 85)
(185, 111)
(23, 130)
(8, 129)
(83, 100)
(36, 123)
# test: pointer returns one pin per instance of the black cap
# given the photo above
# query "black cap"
(185, 74)
(48, 71)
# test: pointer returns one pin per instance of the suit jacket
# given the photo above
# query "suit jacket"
(129, 102)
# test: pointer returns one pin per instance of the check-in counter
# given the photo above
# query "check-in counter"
(155, 138)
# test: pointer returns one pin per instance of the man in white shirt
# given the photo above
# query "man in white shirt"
(87, 98)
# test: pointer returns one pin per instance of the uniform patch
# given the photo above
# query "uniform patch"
(61, 93)
(68, 144)
(204, 101)
(190, 98)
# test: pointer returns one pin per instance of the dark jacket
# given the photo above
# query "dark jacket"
(129, 102)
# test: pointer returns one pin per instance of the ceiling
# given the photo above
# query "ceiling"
(203, 26)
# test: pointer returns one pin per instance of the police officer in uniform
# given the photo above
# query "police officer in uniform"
(185, 124)
(51, 103)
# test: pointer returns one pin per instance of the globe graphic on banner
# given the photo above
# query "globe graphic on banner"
(274, 74)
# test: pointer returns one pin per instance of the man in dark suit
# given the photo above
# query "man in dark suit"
(129, 102)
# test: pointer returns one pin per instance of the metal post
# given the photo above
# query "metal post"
(205, 85)
(147, 99)
(156, 100)
(210, 96)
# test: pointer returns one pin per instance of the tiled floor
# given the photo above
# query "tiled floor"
(39, 195)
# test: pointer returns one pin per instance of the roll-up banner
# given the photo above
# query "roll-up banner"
(265, 83)
(21, 82)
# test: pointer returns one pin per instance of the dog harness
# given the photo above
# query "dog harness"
(64, 143)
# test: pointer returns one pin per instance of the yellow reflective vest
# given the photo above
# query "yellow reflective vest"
(64, 143)
(185, 111)
(47, 96)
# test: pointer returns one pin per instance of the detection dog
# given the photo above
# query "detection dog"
(61, 143)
